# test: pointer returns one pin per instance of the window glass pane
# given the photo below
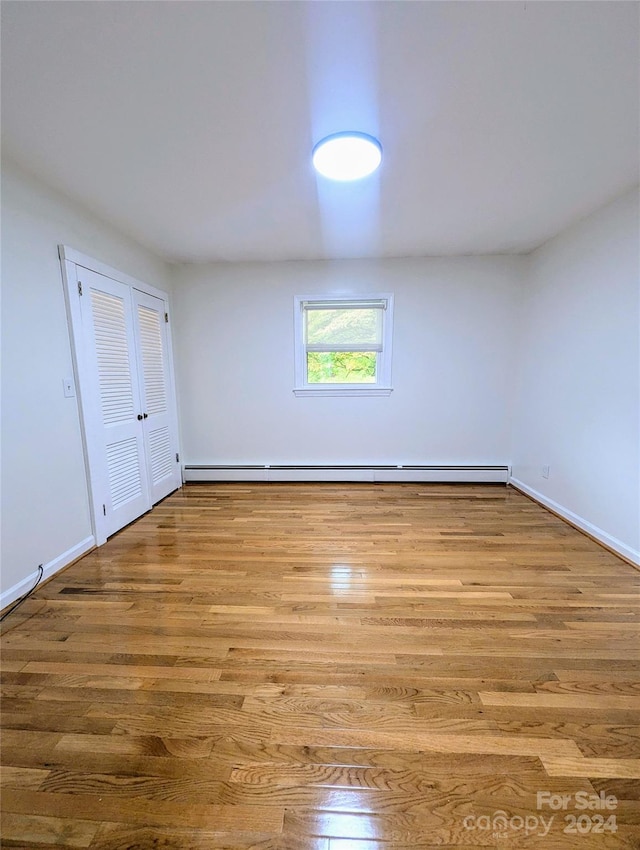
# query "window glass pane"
(340, 326)
(341, 367)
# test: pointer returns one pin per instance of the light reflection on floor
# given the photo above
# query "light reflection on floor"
(340, 577)
(347, 825)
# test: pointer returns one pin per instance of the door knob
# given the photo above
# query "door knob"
(145, 416)
(139, 417)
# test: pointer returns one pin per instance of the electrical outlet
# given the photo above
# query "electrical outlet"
(69, 387)
(545, 471)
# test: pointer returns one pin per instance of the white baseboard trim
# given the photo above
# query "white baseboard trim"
(348, 473)
(12, 593)
(589, 528)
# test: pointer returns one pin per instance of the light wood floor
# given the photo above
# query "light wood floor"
(327, 667)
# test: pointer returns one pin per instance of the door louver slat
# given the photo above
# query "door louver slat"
(112, 354)
(152, 360)
(124, 472)
(161, 456)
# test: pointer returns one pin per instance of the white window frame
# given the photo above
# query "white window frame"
(382, 386)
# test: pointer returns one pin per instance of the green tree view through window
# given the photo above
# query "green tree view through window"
(341, 367)
(343, 345)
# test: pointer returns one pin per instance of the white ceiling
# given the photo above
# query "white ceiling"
(189, 125)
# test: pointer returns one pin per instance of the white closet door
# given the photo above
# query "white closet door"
(120, 488)
(153, 366)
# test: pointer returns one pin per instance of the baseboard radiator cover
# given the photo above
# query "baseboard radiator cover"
(493, 474)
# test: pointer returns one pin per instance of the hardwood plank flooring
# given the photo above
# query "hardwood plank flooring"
(328, 667)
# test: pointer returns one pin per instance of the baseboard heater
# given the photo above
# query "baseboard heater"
(374, 473)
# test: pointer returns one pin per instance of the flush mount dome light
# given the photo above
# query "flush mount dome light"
(347, 156)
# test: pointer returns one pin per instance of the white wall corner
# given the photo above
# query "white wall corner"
(11, 594)
(579, 522)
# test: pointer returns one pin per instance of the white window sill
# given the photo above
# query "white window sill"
(354, 390)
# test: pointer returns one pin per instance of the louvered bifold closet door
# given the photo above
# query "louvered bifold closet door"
(159, 423)
(107, 321)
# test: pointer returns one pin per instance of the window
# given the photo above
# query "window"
(343, 345)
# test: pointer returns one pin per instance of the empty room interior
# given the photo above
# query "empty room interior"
(320, 425)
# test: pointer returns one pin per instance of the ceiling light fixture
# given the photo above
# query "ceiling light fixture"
(347, 156)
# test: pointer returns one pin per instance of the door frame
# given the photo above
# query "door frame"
(70, 262)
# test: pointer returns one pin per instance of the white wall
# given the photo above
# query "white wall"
(45, 511)
(578, 402)
(453, 339)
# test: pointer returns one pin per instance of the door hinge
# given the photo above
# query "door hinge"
(177, 458)
(104, 510)
(79, 287)
(166, 318)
